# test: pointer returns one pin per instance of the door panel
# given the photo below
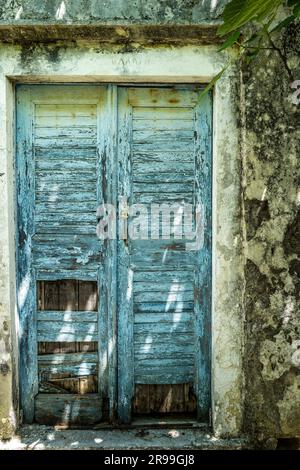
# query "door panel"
(164, 155)
(59, 257)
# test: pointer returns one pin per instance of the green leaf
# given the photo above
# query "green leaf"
(211, 84)
(239, 12)
(290, 3)
(283, 23)
(230, 41)
(296, 10)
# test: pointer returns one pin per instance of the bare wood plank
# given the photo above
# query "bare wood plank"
(50, 302)
(66, 288)
(68, 295)
(64, 380)
(164, 399)
(141, 402)
(190, 399)
(87, 295)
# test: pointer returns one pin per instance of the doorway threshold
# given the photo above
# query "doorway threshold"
(157, 422)
(40, 437)
(166, 421)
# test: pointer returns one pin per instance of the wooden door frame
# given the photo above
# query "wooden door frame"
(116, 370)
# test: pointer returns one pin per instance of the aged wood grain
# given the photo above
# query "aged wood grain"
(67, 409)
(164, 399)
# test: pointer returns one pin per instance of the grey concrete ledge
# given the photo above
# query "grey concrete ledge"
(34, 437)
(104, 33)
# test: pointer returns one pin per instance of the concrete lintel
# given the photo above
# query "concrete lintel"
(104, 33)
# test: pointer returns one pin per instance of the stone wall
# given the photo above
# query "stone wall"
(110, 11)
(272, 248)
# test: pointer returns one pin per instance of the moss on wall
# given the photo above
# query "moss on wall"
(141, 11)
(272, 139)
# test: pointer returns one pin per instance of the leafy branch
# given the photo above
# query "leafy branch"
(260, 15)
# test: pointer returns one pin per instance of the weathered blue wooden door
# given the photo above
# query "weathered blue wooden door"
(63, 337)
(112, 327)
(164, 286)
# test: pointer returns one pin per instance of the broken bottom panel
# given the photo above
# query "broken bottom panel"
(67, 410)
(166, 399)
(67, 333)
(68, 367)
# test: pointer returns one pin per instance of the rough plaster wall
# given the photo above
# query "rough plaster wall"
(272, 213)
(142, 11)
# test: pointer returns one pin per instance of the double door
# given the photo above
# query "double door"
(114, 252)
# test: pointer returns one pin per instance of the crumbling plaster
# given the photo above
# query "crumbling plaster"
(272, 220)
